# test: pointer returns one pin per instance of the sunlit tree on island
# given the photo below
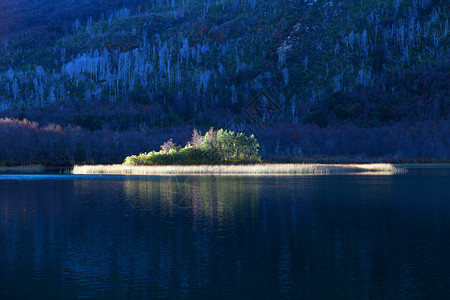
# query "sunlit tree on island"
(215, 147)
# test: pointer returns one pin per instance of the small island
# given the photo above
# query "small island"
(221, 152)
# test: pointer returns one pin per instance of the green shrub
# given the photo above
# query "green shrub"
(215, 147)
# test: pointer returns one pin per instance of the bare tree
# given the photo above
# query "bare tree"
(169, 145)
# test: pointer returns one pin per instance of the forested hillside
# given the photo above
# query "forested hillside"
(370, 72)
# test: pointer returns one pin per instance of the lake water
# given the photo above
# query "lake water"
(309, 237)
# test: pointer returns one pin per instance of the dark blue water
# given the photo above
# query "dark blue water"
(323, 237)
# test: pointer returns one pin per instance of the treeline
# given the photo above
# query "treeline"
(24, 142)
(427, 141)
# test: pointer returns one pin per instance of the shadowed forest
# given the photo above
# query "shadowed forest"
(96, 81)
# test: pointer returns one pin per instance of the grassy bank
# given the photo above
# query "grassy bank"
(258, 169)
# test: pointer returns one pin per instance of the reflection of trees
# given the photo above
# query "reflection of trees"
(209, 196)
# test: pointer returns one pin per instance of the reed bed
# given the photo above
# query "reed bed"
(425, 166)
(258, 169)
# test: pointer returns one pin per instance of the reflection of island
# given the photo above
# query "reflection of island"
(214, 197)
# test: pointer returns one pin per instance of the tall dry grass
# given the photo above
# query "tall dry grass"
(259, 169)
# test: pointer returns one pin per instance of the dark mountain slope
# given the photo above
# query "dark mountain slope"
(363, 64)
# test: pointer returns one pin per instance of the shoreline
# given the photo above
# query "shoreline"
(258, 169)
(275, 169)
(24, 169)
